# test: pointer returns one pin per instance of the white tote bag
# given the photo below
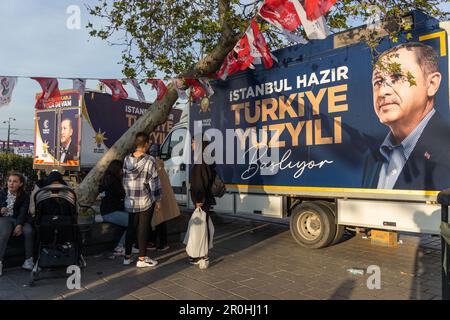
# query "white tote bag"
(197, 234)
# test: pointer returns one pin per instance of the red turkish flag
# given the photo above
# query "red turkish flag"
(229, 66)
(223, 72)
(243, 50)
(49, 90)
(261, 45)
(317, 8)
(159, 86)
(281, 13)
(117, 90)
(197, 90)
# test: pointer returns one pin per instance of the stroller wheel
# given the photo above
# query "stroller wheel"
(34, 273)
(33, 278)
(82, 262)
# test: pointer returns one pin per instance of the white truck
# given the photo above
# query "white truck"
(317, 105)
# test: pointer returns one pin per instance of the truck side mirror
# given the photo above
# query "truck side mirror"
(164, 156)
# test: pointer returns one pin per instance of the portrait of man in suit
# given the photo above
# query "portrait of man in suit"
(415, 154)
(68, 148)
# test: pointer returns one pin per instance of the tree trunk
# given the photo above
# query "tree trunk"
(87, 191)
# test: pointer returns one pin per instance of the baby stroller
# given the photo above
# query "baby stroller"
(58, 240)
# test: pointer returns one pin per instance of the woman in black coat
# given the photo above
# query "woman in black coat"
(15, 219)
(202, 177)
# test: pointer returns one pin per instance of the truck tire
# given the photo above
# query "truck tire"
(340, 230)
(313, 225)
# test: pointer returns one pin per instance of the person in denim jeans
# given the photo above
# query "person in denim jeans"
(112, 205)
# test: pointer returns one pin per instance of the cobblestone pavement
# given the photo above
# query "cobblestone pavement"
(253, 260)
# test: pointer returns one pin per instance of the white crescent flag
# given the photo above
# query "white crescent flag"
(207, 86)
(294, 37)
(80, 85)
(178, 84)
(315, 29)
(7, 85)
(138, 89)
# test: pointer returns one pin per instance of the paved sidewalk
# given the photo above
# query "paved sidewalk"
(253, 260)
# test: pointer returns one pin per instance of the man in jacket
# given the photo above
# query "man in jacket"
(415, 153)
(68, 147)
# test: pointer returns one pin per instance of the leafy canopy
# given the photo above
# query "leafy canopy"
(172, 35)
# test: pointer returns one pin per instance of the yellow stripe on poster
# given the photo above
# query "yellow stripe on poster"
(441, 36)
(348, 190)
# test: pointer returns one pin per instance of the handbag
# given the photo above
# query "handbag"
(218, 187)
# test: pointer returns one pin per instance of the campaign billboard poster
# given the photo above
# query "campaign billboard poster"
(45, 143)
(69, 137)
(321, 110)
(104, 121)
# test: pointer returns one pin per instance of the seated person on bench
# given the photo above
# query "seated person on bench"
(15, 219)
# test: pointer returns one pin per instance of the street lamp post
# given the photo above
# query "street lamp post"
(9, 131)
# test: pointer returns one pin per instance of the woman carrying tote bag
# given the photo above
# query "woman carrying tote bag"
(202, 179)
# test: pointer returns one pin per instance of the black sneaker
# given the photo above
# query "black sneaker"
(163, 248)
(194, 261)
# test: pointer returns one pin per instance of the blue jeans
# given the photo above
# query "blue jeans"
(119, 218)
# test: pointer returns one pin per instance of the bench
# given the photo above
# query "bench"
(97, 238)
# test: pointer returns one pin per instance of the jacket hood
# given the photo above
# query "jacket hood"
(134, 166)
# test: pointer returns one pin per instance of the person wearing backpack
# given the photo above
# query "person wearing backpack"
(202, 179)
(142, 195)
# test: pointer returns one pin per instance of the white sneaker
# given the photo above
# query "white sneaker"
(1, 268)
(28, 264)
(119, 251)
(127, 262)
(203, 263)
(146, 263)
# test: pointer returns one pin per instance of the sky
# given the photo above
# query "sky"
(37, 42)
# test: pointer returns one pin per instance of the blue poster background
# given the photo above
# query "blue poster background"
(361, 129)
(46, 122)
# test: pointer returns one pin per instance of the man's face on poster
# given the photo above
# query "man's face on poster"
(66, 132)
(396, 101)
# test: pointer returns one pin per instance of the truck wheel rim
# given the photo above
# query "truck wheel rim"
(309, 225)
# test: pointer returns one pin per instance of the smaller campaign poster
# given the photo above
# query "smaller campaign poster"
(45, 137)
(69, 138)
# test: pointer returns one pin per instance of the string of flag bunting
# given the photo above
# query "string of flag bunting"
(251, 49)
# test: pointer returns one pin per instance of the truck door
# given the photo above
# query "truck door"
(174, 156)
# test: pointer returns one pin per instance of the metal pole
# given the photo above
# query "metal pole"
(9, 129)
(445, 255)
